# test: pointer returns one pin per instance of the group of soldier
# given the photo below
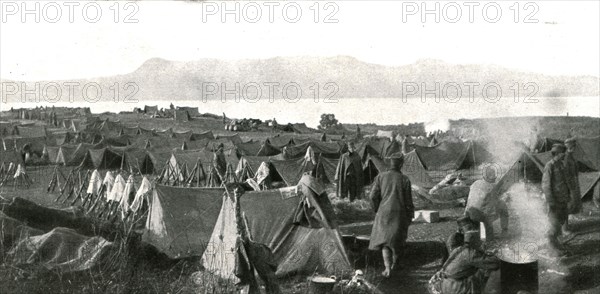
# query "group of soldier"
(392, 203)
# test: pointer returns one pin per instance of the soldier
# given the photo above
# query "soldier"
(556, 193)
(394, 211)
(349, 174)
(572, 173)
(484, 206)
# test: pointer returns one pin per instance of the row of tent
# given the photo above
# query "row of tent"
(297, 223)
(46, 113)
(185, 222)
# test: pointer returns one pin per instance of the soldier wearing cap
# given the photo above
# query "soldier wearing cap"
(394, 210)
(485, 206)
(572, 173)
(556, 193)
(468, 267)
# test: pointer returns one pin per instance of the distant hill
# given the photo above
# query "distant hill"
(159, 79)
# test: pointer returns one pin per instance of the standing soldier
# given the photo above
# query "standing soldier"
(349, 174)
(219, 162)
(572, 173)
(556, 193)
(394, 211)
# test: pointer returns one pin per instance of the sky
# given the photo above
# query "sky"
(564, 40)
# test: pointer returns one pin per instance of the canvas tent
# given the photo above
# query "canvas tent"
(250, 148)
(275, 219)
(235, 138)
(138, 159)
(412, 168)
(192, 111)
(587, 152)
(448, 156)
(104, 158)
(181, 115)
(150, 109)
(180, 220)
(32, 131)
(327, 149)
(249, 165)
(200, 136)
(280, 141)
(302, 128)
(291, 170)
(530, 167)
(373, 146)
(266, 149)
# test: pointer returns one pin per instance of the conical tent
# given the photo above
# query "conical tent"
(181, 220)
(274, 219)
(412, 168)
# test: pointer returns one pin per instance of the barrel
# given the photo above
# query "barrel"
(515, 277)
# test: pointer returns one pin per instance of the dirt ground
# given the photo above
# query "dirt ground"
(577, 272)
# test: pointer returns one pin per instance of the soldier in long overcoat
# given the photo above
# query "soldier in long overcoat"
(392, 201)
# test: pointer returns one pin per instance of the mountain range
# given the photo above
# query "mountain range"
(337, 77)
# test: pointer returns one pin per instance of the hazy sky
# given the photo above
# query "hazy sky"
(564, 41)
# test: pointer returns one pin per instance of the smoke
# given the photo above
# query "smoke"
(526, 204)
(437, 125)
(505, 137)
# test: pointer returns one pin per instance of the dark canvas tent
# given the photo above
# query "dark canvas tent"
(235, 138)
(250, 148)
(266, 149)
(104, 158)
(138, 159)
(201, 136)
(32, 131)
(327, 149)
(280, 141)
(302, 128)
(274, 220)
(373, 146)
(213, 145)
(150, 109)
(248, 166)
(291, 170)
(180, 220)
(587, 152)
(50, 154)
(531, 166)
(412, 168)
(192, 111)
(36, 144)
(181, 115)
(452, 156)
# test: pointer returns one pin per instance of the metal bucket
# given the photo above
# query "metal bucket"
(515, 277)
(321, 285)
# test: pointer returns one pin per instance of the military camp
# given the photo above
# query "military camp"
(155, 190)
